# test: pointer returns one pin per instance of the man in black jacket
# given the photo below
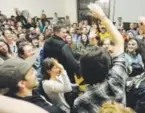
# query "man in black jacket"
(57, 48)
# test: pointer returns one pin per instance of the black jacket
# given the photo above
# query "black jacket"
(57, 48)
(41, 102)
(136, 93)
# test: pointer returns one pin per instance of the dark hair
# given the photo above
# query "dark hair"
(21, 48)
(20, 41)
(57, 28)
(85, 43)
(47, 64)
(9, 50)
(102, 41)
(137, 50)
(95, 65)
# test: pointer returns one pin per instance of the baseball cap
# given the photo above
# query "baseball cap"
(12, 71)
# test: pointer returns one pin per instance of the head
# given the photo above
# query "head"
(123, 33)
(4, 47)
(60, 31)
(84, 38)
(8, 35)
(107, 43)
(12, 22)
(131, 26)
(81, 24)
(18, 75)
(78, 31)
(140, 32)
(95, 64)
(35, 42)
(74, 25)
(37, 30)
(67, 17)
(6, 27)
(130, 35)
(119, 19)
(114, 107)
(93, 40)
(47, 23)
(15, 37)
(19, 24)
(68, 39)
(103, 29)
(41, 37)
(72, 30)
(22, 36)
(85, 22)
(84, 30)
(19, 29)
(49, 68)
(30, 20)
(32, 30)
(48, 32)
(43, 16)
(18, 12)
(132, 46)
(94, 26)
(55, 14)
(25, 50)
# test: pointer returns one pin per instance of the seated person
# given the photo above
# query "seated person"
(105, 76)
(18, 76)
(133, 58)
(56, 82)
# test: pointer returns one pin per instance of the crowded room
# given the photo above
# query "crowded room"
(72, 56)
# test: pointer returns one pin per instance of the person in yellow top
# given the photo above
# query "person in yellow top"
(104, 34)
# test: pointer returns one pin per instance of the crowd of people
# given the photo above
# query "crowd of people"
(40, 59)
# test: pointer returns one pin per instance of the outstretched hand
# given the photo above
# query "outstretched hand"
(96, 11)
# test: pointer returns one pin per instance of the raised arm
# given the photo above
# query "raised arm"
(98, 13)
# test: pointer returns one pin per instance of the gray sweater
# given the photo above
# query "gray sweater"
(55, 90)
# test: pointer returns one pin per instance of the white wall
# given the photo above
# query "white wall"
(34, 6)
(129, 10)
(71, 9)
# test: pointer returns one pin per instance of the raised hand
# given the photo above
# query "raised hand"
(96, 11)
(58, 65)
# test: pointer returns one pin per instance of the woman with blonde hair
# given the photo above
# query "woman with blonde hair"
(114, 107)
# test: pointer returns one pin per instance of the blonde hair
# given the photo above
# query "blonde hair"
(114, 107)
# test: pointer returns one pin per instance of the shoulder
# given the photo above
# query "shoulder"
(48, 83)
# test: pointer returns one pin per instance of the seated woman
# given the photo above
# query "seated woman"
(84, 42)
(82, 46)
(133, 58)
(55, 82)
(5, 51)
